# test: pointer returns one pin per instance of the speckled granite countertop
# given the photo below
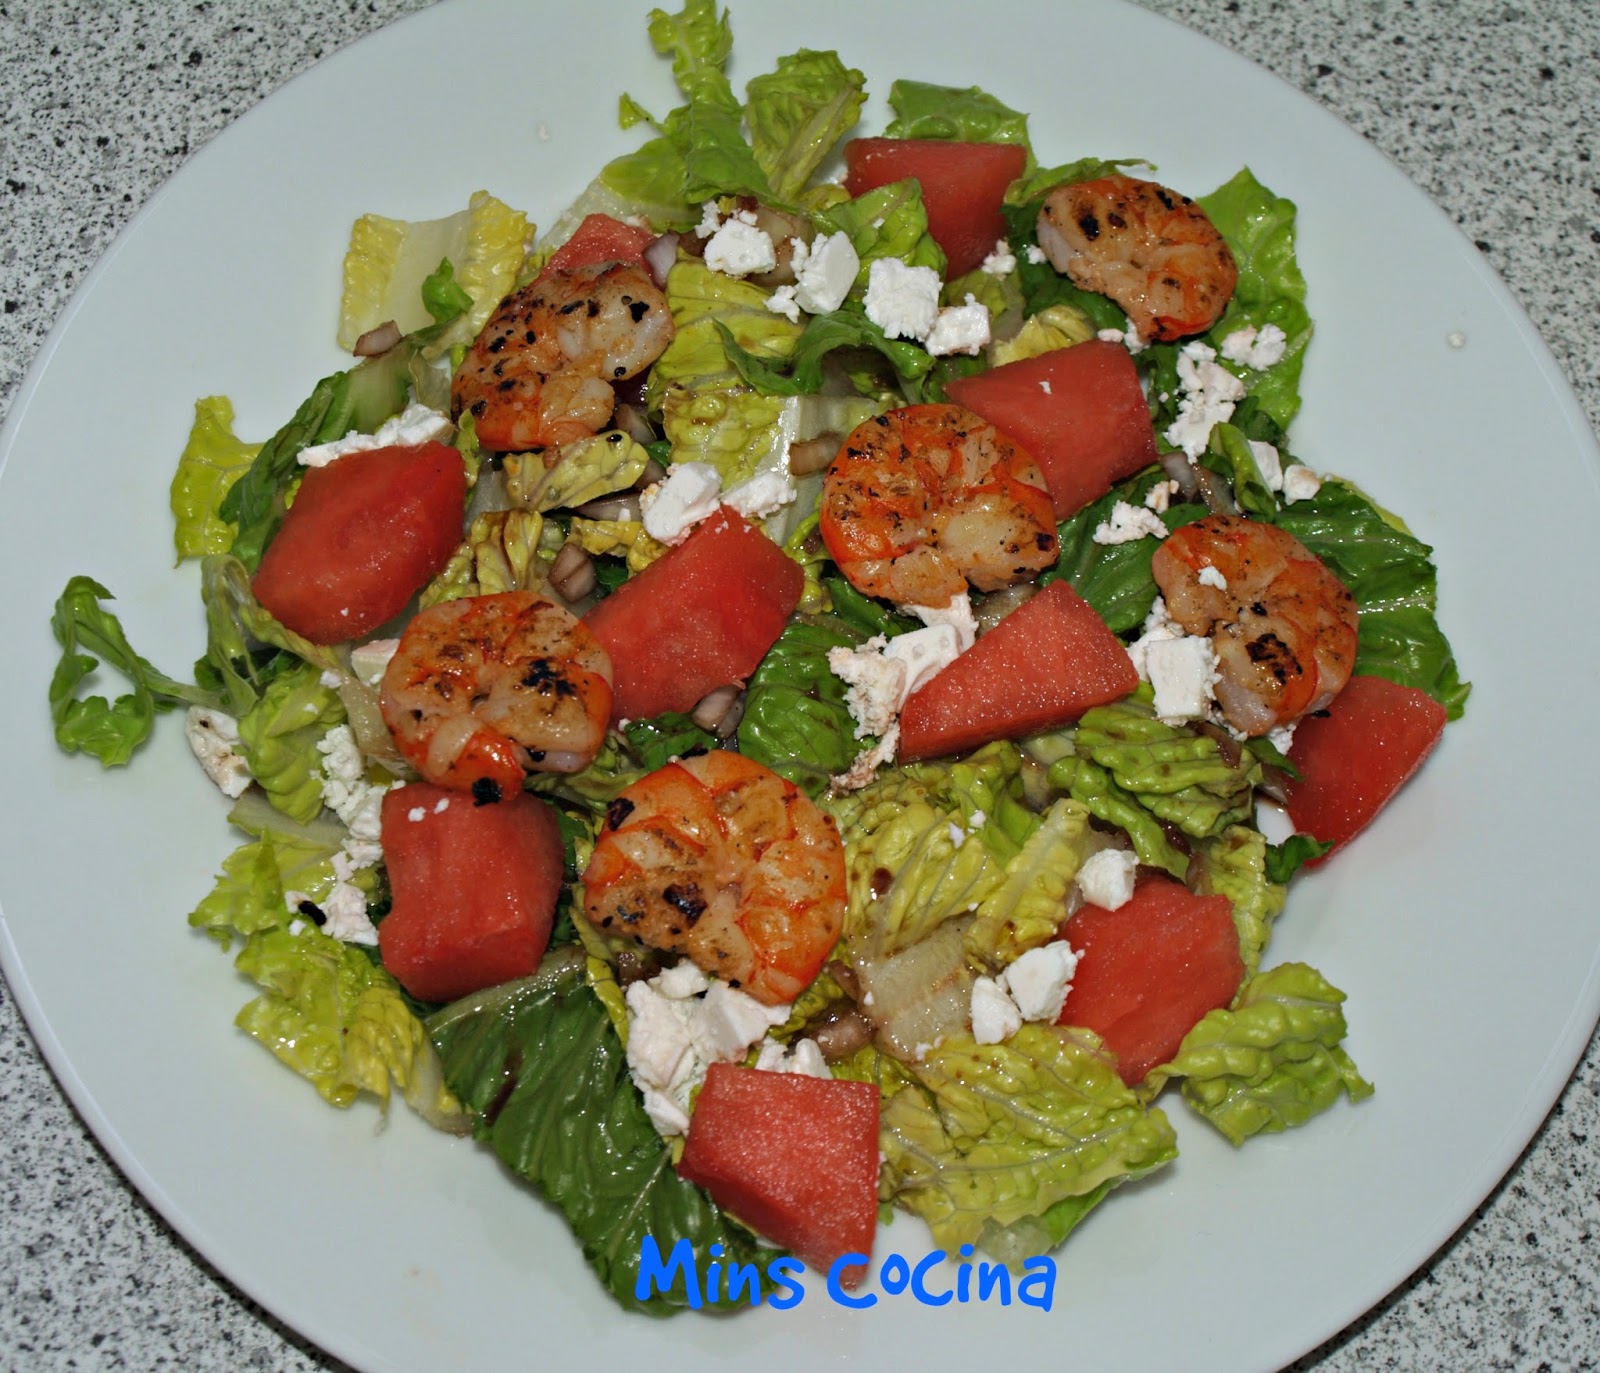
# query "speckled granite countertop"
(1492, 106)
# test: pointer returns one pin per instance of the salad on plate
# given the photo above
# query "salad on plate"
(801, 690)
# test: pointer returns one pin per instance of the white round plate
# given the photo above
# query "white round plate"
(1459, 924)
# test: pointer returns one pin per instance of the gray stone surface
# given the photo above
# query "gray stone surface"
(1492, 108)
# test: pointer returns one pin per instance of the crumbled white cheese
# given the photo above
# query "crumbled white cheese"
(1300, 483)
(346, 910)
(866, 765)
(903, 301)
(1183, 672)
(1282, 737)
(1158, 627)
(1159, 497)
(782, 302)
(959, 329)
(1128, 524)
(958, 614)
(1255, 348)
(1106, 878)
(995, 1017)
(802, 1058)
(1034, 253)
(1212, 576)
(670, 508)
(213, 737)
(739, 248)
(1210, 392)
(674, 1035)
(824, 272)
(417, 814)
(1268, 463)
(710, 219)
(1039, 980)
(883, 673)
(1127, 336)
(416, 424)
(681, 981)
(1044, 385)
(370, 660)
(345, 789)
(764, 494)
(1002, 261)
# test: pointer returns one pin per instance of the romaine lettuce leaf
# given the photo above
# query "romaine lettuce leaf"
(888, 221)
(795, 718)
(1236, 867)
(211, 461)
(338, 1019)
(390, 262)
(847, 327)
(1002, 1132)
(597, 466)
(797, 114)
(1092, 787)
(88, 635)
(1274, 1060)
(505, 550)
(278, 736)
(924, 110)
(540, 1067)
(1025, 911)
(1391, 574)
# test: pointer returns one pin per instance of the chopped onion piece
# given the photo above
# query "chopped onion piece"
(572, 573)
(378, 340)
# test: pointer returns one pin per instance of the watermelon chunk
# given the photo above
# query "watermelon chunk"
(1357, 754)
(1079, 411)
(474, 887)
(794, 1157)
(1149, 970)
(699, 618)
(1042, 666)
(600, 238)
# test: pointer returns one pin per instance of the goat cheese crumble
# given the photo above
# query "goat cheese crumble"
(414, 425)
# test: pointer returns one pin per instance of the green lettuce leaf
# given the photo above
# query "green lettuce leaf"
(709, 412)
(600, 465)
(1092, 787)
(1027, 193)
(540, 1067)
(1025, 910)
(1274, 1060)
(88, 635)
(1178, 774)
(795, 718)
(391, 272)
(211, 461)
(505, 550)
(923, 110)
(888, 221)
(1002, 1132)
(339, 1020)
(847, 327)
(278, 736)
(798, 113)
(1115, 578)
(657, 742)
(1391, 574)
(1237, 867)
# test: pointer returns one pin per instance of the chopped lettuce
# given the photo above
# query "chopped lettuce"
(1272, 1061)
(1093, 788)
(888, 221)
(88, 635)
(1002, 1132)
(846, 328)
(1180, 775)
(709, 412)
(505, 550)
(278, 737)
(545, 1077)
(211, 461)
(1056, 326)
(1391, 574)
(655, 743)
(797, 114)
(600, 465)
(391, 271)
(924, 110)
(795, 718)
(338, 1019)
(1237, 867)
(1025, 910)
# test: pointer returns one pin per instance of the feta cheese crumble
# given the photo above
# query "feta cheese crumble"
(995, 1017)
(214, 740)
(414, 425)
(739, 249)
(764, 494)
(1034, 253)
(1127, 336)
(959, 329)
(1210, 392)
(1038, 981)
(902, 301)
(1183, 672)
(1255, 348)
(1300, 483)
(1002, 261)
(958, 614)
(882, 673)
(1128, 524)
(1268, 463)
(1106, 878)
(1211, 576)
(1159, 497)
(670, 508)
(824, 272)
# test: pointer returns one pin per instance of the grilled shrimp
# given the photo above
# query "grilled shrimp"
(1283, 626)
(540, 373)
(485, 688)
(923, 500)
(717, 858)
(1153, 251)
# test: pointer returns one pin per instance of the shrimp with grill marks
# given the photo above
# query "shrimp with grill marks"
(923, 500)
(1153, 251)
(717, 858)
(540, 373)
(484, 689)
(1282, 625)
